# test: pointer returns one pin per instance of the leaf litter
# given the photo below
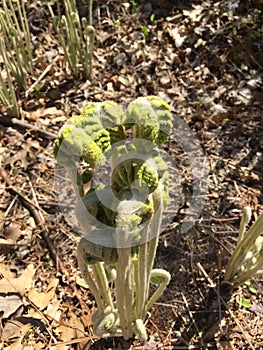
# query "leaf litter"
(202, 58)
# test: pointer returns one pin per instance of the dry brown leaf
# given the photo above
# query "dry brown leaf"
(12, 232)
(2, 217)
(6, 245)
(178, 37)
(33, 313)
(9, 304)
(81, 282)
(53, 311)
(42, 299)
(9, 284)
(4, 270)
(73, 329)
(15, 346)
(124, 81)
(256, 307)
(43, 112)
(14, 329)
(38, 346)
(87, 319)
(21, 156)
(194, 13)
(59, 119)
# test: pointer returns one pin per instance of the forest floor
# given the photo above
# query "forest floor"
(204, 58)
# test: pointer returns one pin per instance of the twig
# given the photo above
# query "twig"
(70, 342)
(1, 335)
(38, 80)
(234, 218)
(200, 267)
(192, 318)
(14, 122)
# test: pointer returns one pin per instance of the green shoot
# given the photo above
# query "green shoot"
(247, 259)
(76, 36)
(120, 221)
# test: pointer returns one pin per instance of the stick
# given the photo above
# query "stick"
(8, 121)
(38, 80)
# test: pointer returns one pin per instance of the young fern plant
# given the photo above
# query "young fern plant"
(15, 53)
(247, 258)
(7, 90)
(76, 36)
(17, 43)
(120, 218)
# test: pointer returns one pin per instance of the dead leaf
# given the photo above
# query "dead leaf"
(165, 80)
(2, 217)
(6, 272)
(15, 346)
(6, 245)
(87, 319)
(44, 112)
(12, 232)
(21, 156)
(177, 36)
(81, 282)
(15, 329)
(194, 13)
(9, 304)
(42, 299)
(73, 329)
(124, 81)
(257, 308)
(9, 284)
(59, 119)
(53, 311)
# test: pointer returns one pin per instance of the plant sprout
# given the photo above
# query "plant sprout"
(120, 219)
(15, 53)
(247, 259)
(7, 90)
(76, 36)
(17, 45)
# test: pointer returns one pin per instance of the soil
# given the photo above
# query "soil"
(204, 58)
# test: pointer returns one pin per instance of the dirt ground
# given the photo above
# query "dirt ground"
(204, 58)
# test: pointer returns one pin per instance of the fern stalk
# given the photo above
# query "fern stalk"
(121, 221)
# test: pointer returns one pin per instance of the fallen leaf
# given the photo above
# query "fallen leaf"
(124, 81)
(165, 80)
(21, 156)
(6, 272)
(73, 329)
(176, 35)
(257, 308)
(194, 13)
(16, 345)
(6, 245)
(9, 284)
(15, 329)
(81, 282)
(53, 311)
(9, 304)
(42, 299)
(44, 112)
(87, 319)
(12, 232)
